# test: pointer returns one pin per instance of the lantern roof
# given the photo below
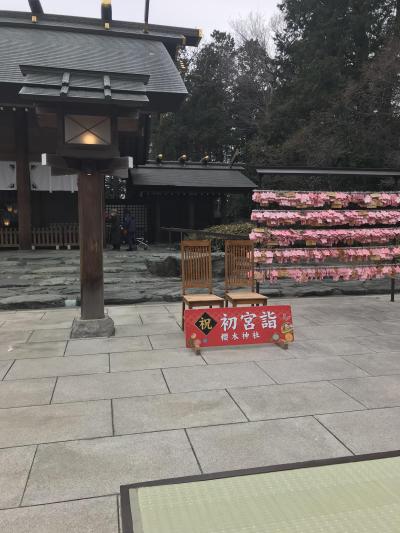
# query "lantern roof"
(54, 84)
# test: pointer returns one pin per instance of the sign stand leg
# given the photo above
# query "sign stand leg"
(393, 289)
(282, 344)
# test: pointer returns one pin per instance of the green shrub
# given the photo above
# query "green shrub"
(241, 229)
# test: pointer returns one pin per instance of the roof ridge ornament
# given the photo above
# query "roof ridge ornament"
(146, 16)
(36, 9)
(107, 87)
(65, 83)
(106, 13)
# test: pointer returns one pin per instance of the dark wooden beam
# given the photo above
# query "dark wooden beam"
(157, 220)
(106, 13)
(146, 136)
(61, 165)
(23, 179)
(36, 7)
(385, 172)
(192, 212)
(91, 227)
(146, 16)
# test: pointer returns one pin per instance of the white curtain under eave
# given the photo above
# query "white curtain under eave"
(8, 180)
(41, 179)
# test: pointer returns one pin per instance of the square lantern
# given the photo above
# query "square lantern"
(87, 130)
(88, 136)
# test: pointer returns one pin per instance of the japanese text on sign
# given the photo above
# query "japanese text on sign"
(241, 326)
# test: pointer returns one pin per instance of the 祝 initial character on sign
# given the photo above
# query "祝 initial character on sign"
(205, 324)
(249, 320)
(229, 323)
(268, 320)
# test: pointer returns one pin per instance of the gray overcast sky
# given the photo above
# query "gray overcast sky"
(205, 14)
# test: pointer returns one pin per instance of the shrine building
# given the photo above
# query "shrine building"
(63, 59)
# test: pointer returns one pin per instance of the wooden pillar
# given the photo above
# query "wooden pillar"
(91, 228)
(23, 180)
(192, 212)
(157, 219)
(143, 142)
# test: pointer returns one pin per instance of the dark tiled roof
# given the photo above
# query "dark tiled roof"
(191, 176)
(133, 29)
(86, 51)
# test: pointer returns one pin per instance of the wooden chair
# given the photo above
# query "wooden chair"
(197, 274)
(239, 273)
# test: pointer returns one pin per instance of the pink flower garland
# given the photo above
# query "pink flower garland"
(335, 273)
(322, 199)
(326, 218)
(321, 255)
(325, 237)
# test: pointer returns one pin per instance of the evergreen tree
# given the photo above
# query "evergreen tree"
(326, 56)
(331, 96)
(204, 122)
(251, 90)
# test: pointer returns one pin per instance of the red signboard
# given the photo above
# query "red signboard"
(238, 326)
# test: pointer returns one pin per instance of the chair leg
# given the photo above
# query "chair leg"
(183, 316)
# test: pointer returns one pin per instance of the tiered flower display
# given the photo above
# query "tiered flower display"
(326, 218)
(320, 255)
(336, 200)
(303, 275)
(324, 240)
(325, 237)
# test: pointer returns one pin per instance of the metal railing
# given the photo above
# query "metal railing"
(184, 232)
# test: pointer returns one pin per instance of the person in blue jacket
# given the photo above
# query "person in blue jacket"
(130, 228)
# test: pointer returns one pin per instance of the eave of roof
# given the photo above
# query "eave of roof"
(193, 165)
(308, 171)
(166, 34)
(191, 176)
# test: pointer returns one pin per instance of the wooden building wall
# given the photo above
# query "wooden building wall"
(7, 136)
(49, 208)
(173, 211)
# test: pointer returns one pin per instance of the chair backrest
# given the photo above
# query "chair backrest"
(239, 265)
(196, 265)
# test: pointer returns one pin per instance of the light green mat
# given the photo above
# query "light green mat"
(359, 497)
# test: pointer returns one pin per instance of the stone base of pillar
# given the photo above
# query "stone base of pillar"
(87, 329)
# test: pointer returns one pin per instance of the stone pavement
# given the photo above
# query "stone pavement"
(47, 278)
(78, 418)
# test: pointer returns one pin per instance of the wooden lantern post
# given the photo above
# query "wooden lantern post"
(88, 146)
(91, 237)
